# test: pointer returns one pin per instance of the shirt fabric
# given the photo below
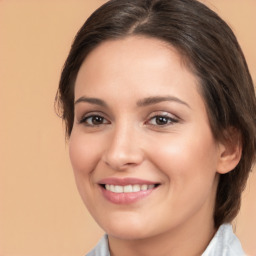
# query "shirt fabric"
(224, 243)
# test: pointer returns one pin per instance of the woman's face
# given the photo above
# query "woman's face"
(141, 147)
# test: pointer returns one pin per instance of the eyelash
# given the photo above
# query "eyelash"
(165, 117)
(160, 117)
(85, 119)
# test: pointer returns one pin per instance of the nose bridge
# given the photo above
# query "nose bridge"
(123, 149)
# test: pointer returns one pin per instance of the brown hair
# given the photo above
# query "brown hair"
(211, 51)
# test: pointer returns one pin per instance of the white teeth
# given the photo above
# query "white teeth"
(112, 188)
(119, 189)
(151, 186)
(128, 188)
(144, 187)
(136, 188)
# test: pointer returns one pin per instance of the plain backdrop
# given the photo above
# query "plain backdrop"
(41, 213)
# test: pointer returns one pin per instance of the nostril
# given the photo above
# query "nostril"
(121, 162)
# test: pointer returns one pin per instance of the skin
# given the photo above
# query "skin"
(180, 154)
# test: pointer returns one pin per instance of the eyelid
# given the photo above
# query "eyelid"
(171, 117)
(82, 119)
(162, 113)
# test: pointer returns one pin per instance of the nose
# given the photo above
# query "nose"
(124, 149)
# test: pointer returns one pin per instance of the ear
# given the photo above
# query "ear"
(230, 149)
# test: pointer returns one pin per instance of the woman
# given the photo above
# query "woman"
(160, 110)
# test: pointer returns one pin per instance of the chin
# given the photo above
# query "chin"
(126, 228)
(127, 234)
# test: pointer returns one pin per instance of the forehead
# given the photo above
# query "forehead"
(145, 66)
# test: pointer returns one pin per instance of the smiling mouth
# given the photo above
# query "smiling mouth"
(128, 188)
(127, 194)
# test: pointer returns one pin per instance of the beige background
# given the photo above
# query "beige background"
(41, 213)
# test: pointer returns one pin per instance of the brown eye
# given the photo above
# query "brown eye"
(94, 120)
(162, 120)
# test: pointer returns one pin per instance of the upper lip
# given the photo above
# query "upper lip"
(126, 181)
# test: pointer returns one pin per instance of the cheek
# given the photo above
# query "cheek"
(84, 154)
(187, 157)
(189, 167)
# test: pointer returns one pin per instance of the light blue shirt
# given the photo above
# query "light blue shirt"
(224, 243)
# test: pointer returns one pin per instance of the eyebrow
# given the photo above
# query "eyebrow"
(158, 99)
(94, 101)
(141, 103)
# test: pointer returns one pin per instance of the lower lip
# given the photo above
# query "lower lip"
(125, 198)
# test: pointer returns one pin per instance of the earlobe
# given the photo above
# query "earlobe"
(230, 149)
